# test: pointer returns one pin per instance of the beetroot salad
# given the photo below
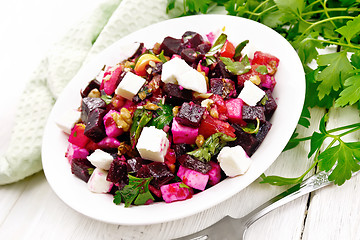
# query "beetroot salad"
(173, 120)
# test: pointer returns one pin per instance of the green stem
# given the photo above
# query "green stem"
(312, 4)
(336, 43)
(327, 14)
(331, 10)
(261, 13)
(312, 25)
(327, 20)
(260, 5)
(348, 132)
(304, 139)
(355, 125)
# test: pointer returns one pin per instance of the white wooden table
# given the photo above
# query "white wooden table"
(31, 210)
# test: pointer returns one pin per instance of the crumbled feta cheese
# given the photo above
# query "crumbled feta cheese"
(97, 182)
(172, 69)
(193, 80)
(67, 121)
(101, 159)
(130, 85)
(177, 71)
(153, 144)
(251, 94)
(234, 161)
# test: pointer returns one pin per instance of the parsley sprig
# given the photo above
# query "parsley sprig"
(330, 152)
(310, 25)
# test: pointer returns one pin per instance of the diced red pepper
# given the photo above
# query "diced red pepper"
(270, 61)
(228, 50)
(210, 125)
(220, 106)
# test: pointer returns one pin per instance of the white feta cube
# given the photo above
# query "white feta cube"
(251, 94)
(66, 121)
(172, 69)
(249, 50)
(101, 159)
(130, 85)
(153, 144)
(234, 161)
(97, 182)
(193, 80)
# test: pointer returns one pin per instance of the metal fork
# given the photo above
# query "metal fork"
(230, 228)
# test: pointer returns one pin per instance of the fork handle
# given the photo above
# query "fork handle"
(312, 183)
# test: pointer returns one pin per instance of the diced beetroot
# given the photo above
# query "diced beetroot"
(216, 86)
(111, 128)
(183, 134)
(161, 173)
(175, 94)
(269, 82)
(95, 129)
(74, 151)
(194, 164)
(134, 164)
(109, 142)
(91, 146)
(193, 178)
(247, 141)
(77, 136)
(270, 105)
(189, 55)
(80, 167)
(234, 109)
(93, 84)
(263, 131)
(210, 125)
(155, 191)
(111, 79)
(214, 173)
(219, 71)
(176, 192)
(118, 173)
(251, 113)
(170, 46)
(170, 159)
(202, 49)
(88, 104)
(181, 149)
(190, 114)
(192, 39)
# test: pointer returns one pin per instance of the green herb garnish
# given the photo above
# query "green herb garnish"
(164, 116)
(237, 68)
(140, 119)
(136, 191)
(107, 98)
(211, 146)
(216, 47)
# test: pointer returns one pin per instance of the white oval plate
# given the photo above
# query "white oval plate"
(289, 93)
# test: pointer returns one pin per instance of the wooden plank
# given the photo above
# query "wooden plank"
(334, 211)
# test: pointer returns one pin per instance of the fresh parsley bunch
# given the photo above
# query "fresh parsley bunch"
(333, 82)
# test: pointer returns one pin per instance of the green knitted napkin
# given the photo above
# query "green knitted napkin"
(112, 20)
